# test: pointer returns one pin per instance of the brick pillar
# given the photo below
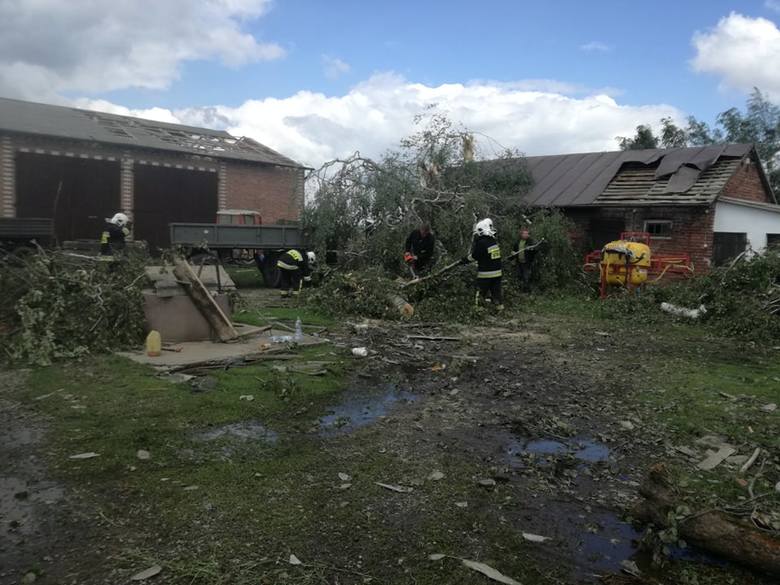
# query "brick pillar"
(222, 186)
(126, 186)
(7, 178)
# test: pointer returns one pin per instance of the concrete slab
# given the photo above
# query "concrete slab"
(197, 352)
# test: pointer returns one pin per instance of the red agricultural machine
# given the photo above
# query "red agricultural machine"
(629, 263)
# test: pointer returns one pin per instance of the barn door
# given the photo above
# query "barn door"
(727, 245)
(604, 231)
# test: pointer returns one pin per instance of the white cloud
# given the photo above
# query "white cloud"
(595, 47)
(743, 51)
(333, 67)
(375, 114)
(48, 47)
(773, 5)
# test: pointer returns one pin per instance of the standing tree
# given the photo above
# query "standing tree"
(644, 138)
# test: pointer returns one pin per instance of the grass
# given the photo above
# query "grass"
(246, 276)
(267, 315)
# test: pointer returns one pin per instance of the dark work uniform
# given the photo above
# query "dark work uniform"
(420, 246)
(487, 253)
(112, 239)
(293, 265)
(524, 260)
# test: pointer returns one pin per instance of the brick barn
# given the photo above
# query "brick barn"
(711, 202)
(78, 167)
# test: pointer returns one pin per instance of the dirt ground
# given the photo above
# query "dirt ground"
(524, 426)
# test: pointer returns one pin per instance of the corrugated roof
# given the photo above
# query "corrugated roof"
(73, 123)
(664, 176)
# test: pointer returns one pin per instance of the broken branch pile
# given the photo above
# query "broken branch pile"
(56, 305)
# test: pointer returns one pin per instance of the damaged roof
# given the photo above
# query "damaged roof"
(76, 124)
(676, 176)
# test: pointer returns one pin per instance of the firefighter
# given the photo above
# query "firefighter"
(486, 252)
(293, 267)
(114, 234)
(524, 258)
(418, 250)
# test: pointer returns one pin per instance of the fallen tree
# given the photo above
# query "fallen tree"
(713, 530)
(58, 305)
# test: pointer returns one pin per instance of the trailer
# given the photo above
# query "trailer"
(20, 232)
(239, 236)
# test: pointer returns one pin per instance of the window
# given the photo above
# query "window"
(659, 228)
(726, 246)
(773, 241)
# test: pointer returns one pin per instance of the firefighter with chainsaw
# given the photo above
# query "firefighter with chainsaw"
(294, 267)
(418, 250)
(486, 252)
(114, 234)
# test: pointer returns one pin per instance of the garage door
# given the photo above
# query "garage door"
(78, 193)
(164, 195)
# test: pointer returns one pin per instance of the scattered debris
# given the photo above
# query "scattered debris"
(143, 454)
(395, 488)
(436, 476)
(191, 488)
(487, 483)
(535, 537)
(716, 458)
(771, 407)
(147, 573)
(462, 504)
(748, 464)
(626, 425)
(89, 455)
(247, 397)
(294, 560)
(489, 572)
(631, 568)
(683, 312)
(29, 577)
(344, 477)
(360, 352)
(486, 570)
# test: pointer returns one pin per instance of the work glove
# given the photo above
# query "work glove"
(409, 257)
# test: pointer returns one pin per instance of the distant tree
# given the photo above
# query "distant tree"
(759, 124)
(644, 138)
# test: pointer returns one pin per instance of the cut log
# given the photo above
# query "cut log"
(712, 530)
(401, 304)
(204, 302)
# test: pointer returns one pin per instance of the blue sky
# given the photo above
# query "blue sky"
(645, 55)
(317, 79)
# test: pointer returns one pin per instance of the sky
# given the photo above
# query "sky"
(319, 79)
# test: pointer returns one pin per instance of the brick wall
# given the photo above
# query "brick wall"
(276, 192)
(691, 228)
(746, 183)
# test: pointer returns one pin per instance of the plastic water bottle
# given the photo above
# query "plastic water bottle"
(298, 329)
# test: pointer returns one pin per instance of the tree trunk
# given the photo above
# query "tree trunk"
(204, 302)
(714, 531)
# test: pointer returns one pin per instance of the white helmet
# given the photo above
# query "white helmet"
(312, 258)
(119, 219)
(484, 228)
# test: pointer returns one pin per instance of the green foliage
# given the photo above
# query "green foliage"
(57, 306)
(364, 294)
(644, 138)
(557, 265)
(742, 301)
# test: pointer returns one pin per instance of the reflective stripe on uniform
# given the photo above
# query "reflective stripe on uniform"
(285, 266)
(489, 274)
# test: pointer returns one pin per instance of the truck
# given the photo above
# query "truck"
(19, 232)
(239, 235)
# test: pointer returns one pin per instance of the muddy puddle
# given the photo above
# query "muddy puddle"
(582, 448)
(251, 430)
(359, 408)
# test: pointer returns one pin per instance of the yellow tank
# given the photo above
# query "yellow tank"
(623, 257)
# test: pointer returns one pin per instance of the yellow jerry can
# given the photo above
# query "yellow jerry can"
(625, 263)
